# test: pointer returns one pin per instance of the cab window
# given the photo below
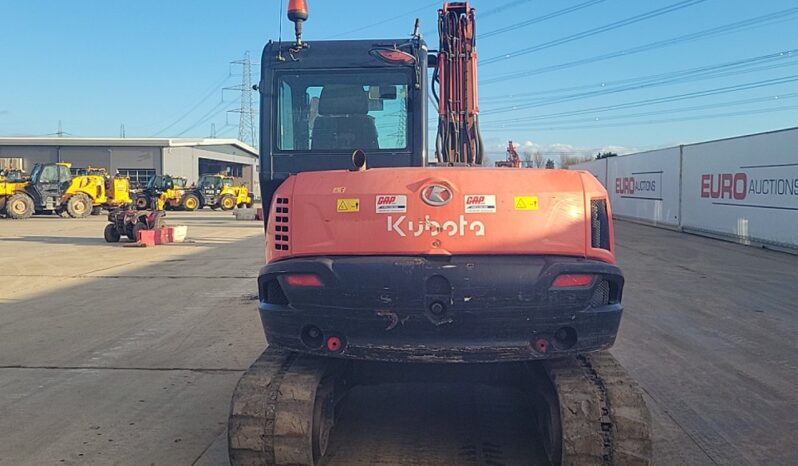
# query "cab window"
(49, 174)
(341, 111)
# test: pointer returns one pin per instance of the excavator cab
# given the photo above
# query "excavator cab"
(322, 103)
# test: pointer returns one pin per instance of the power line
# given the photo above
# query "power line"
(538, 19)
(540, 102)
(595, 31)
(208, 115)
(660, 100)
(694, 108)
(684, 75)
(771, 18)
(207, 96)
(660, 121)
(493, 11)
(225, 129)
(390, 19)
(502, 8)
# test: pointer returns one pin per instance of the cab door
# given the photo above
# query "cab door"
(51, 184)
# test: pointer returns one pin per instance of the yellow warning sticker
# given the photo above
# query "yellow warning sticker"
(348, 205)
(526, 203)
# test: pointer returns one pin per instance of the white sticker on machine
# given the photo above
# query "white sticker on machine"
(480, 203)
(388, 203)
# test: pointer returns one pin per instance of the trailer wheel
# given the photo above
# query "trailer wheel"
(19, 206)
(227, 202)
(111, 234)
(79, 206)
(141, 202)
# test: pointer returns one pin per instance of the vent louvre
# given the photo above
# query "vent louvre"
(601, 294)
(280, 239)
(599, 224)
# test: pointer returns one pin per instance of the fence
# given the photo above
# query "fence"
(743, 188)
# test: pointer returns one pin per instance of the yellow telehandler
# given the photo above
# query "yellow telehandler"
(170, 192)
(53, 188)
(220, 192)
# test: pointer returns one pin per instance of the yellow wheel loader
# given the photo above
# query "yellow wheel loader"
(53, 188)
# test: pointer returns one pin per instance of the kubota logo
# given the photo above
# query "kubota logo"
(436, 195)
(460, 227)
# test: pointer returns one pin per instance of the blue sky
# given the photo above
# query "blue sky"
(158, 67)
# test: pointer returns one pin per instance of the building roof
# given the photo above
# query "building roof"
(122, 142)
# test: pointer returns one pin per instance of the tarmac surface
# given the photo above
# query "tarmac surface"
(115, 355)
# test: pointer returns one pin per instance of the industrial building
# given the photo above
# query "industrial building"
(137, 158)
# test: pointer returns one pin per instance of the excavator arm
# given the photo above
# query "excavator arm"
(455, 76)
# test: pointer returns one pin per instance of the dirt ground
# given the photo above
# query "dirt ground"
(115, 355)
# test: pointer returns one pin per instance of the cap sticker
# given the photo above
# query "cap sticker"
(526, 203)
(348, 205)
(387, 203)
(480, 203)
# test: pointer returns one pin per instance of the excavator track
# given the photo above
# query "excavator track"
(282, 410)
(603, 418)
(589, 411)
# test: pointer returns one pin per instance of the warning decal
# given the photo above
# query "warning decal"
(480, 203)
(526, 203)
(387, 203)
(348, 205)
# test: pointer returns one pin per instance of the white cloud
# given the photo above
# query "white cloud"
(496, 150)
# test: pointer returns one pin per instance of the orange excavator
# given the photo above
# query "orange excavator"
(380, 256)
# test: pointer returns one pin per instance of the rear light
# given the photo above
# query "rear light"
(303, 279)
(572, 281)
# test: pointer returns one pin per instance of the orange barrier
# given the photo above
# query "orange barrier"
(158, 236)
